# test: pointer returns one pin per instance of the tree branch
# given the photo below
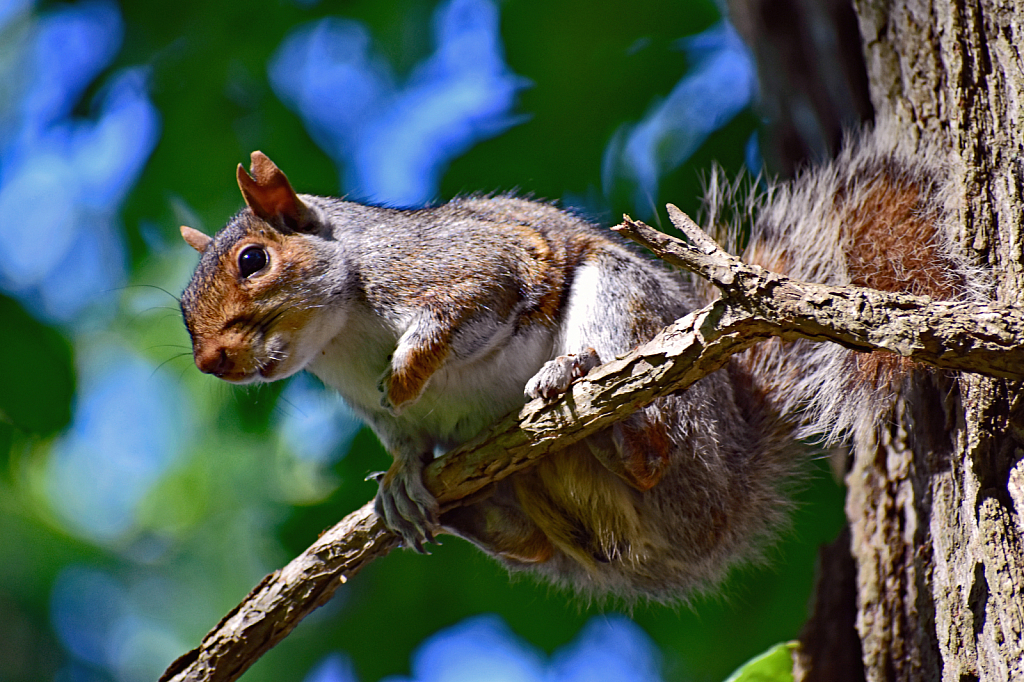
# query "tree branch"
(756, 305)
(961, 336)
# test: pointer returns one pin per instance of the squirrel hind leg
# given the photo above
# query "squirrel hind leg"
(638, 449)
(499, 526)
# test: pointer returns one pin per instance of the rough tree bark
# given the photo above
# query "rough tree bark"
(935, 500)
(935, 505)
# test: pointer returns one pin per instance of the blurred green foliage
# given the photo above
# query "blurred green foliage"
(238, 505)
(39, 379)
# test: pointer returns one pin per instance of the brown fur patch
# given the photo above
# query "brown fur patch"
(547, 268)
(880, 368)
(505, 530)
(893, 246)
(648, 450)
(893, 241)
(777, 262)
(533, 549)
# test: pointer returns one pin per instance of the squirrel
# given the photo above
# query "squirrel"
(432, 323)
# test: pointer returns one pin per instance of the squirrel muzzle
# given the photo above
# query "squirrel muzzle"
(231, 362)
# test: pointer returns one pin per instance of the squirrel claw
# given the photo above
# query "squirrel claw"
(408, 508)
(383, 386)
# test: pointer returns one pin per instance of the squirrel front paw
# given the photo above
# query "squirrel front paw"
(555, 377)
(406, 506)
(399, 388)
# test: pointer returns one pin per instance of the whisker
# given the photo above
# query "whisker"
(148, 286)
(168, 312)
(169, 345)
(170, 359)
(282, 399)
(274, 315)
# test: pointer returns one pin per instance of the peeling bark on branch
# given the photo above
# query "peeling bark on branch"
(756, 305)
(957, 336)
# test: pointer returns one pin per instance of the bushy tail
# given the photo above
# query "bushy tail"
(884, 215)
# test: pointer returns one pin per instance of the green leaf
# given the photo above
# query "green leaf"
(774, 665)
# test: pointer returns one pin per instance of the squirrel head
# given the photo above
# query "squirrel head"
(249, 307)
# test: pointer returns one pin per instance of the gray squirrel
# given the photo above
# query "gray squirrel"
(433, 323)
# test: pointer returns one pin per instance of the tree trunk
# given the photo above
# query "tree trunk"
(936, 498)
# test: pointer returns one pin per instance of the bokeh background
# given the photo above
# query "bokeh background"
(141, 500)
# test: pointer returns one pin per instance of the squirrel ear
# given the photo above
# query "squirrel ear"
(270, 196)
(196, 239)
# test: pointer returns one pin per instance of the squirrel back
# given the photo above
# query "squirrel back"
(433, 323)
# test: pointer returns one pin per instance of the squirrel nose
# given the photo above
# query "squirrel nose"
(214, 361)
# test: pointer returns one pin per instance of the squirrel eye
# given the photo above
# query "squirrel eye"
(252, 260)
